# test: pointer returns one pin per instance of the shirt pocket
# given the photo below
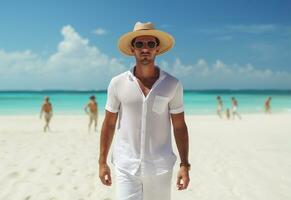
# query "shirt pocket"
(160, 104)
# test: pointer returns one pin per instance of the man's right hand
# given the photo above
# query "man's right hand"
(104, 174)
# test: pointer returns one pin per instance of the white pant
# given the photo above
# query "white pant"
(153, 187)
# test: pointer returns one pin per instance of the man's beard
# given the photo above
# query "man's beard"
(145, 61)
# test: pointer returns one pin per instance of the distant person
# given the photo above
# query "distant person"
(93, 112)
(227, 113)
(268, 105)
(234, 108)
(47, 111)
(219, 106)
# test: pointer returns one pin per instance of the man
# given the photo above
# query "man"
(219, 106)
(47, 111)
(234, 108)
(93, 112)
(268, 105)
(227, 113)
(144, 100)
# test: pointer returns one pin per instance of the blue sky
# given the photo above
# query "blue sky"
(232, 44)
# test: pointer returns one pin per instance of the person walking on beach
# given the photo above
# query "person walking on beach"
(268, 105)
(219, 106)
(142, 101)
(227, 114)
(93, 112)
(234, 108)
(47, 111)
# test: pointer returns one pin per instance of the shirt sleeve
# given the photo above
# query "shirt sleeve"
(113, 103)
(176, 104)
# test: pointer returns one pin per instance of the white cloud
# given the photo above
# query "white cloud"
(100, 31)
(264, 51)
(219, 75)
(77, 65)
(226, 32)
(19, 63)
(253, 28)
(244, 28)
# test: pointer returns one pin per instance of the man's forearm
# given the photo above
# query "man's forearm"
(182, 141)
(107, 133)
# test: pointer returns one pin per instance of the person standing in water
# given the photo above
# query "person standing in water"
(47, 111)
(219, 106)
(234, 108)
(268, 105)
(93, 112)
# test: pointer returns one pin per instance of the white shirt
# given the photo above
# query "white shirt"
(143, 132)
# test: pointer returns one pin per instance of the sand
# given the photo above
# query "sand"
(248, 159)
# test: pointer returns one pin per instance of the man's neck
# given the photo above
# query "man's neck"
(146, 72)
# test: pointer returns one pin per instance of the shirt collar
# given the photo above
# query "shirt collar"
(162, 74)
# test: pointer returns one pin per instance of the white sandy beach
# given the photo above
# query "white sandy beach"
(248, 159)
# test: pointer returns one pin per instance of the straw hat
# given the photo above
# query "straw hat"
(141, 29)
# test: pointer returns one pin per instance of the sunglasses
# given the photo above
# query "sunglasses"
(140, 44)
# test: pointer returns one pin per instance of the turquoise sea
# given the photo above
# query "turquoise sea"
(196, 102)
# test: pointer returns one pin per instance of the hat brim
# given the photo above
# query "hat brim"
(166, 40)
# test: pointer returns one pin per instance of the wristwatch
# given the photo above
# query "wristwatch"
(188, 165)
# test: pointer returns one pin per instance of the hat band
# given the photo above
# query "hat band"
(144, 29)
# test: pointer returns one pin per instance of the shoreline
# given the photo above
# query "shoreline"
(192, 115)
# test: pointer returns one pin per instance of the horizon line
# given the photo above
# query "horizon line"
(104, 90)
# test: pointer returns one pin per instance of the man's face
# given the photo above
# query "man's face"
(144, 50)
